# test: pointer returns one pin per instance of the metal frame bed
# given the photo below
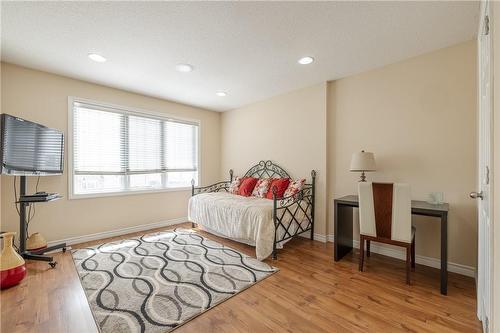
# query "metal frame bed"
(286, 208)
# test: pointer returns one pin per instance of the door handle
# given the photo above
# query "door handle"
(475, 195)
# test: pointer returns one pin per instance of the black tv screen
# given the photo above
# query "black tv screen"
(28, 148)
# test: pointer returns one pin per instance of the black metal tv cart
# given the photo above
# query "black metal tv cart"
(23, 228)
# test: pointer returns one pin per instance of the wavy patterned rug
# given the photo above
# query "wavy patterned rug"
(159, 281)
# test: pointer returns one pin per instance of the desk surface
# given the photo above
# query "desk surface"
(415, 204)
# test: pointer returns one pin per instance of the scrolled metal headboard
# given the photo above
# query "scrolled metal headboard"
(266, 169)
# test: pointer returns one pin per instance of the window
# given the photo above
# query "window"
(121, 150)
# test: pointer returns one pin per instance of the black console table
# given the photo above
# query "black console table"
(343, 222)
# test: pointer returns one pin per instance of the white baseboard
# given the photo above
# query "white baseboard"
(318, 237)
(400, 254)
(422, 260)
(118, 232)
(375, 248)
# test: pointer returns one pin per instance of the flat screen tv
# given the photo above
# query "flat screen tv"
(30, 149)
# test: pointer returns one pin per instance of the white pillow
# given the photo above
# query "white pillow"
(261, 187)
(295, 187)
(235, 185)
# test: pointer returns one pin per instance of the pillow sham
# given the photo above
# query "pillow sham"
(235, 185)
(281, 186)
(294, 187)
(261, 188)
(246, 186)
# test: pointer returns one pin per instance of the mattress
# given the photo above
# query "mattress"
(245, 219)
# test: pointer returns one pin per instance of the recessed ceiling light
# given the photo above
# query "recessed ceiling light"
(221, 93)
(185, 68)
(306, 60)
(96, 57)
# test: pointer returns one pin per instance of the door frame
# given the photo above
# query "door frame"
(485, 315)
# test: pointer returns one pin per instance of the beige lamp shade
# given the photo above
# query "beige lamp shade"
(363, 161)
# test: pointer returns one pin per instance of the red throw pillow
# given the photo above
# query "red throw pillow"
(246, 186)
(281, 185)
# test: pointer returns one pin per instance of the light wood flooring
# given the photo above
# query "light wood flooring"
(310, 293)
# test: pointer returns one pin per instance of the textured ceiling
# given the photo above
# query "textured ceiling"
(249, 49)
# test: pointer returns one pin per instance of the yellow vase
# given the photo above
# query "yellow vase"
(12, 265)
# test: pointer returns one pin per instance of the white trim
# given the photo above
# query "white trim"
(422, 260)
(318, 237)
(69, 136)
(125, 192)
(129, 110)
(118, 232)
(399, 254)
(375, 248)
(485, 157)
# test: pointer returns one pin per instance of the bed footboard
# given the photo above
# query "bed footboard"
(293, 215)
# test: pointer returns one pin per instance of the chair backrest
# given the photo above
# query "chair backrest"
(385, 210)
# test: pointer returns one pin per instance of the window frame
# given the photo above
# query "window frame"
(133, 111)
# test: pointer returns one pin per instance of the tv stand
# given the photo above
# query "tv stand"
(23, 230)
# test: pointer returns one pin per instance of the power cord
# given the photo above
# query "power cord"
(15, 196)
(30, 217)
(30, 206)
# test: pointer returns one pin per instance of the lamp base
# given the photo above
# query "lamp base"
(363, 177)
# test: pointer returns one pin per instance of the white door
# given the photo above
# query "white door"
(483, 195)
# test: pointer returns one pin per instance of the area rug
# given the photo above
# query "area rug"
(159, 281)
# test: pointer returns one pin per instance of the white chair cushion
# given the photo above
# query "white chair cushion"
(366, 210)
(401, 213)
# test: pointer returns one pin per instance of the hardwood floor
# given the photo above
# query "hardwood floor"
(310, 293)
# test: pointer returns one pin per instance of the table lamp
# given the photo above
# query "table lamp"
(362, 162)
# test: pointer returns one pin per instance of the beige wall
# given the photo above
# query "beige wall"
(419, 118)
(289, 129)
(43, 98)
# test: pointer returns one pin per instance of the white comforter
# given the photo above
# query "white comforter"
(245, 218)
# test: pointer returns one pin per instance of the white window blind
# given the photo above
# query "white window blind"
(117, 150)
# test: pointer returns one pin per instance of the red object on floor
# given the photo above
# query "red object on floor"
(12, 265)
(11, 277)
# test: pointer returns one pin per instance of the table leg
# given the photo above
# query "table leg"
(342, 230)
(444, 253)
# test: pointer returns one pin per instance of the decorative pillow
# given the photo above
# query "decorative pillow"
(294, 187)
(235, 185)
(246, 186)
(281, 186)
(261, 188)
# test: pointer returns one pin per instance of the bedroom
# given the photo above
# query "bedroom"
(305, 85)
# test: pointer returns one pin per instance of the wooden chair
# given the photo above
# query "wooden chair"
(385, 217)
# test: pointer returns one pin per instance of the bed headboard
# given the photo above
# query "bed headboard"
(265, 169)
